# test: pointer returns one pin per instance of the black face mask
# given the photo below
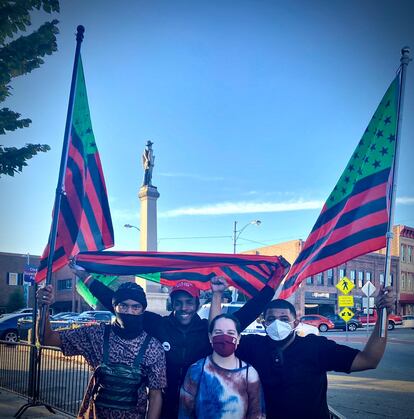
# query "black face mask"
(128, 326)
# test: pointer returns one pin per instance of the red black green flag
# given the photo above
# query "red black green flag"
(248, 273)
(354, 219)
(84, 217)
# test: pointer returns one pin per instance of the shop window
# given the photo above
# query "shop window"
(360, 279)
(64, 284)
(330, 275)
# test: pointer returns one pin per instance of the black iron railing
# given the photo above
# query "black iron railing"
(44, 375)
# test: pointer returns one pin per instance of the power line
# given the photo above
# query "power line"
(195, 237)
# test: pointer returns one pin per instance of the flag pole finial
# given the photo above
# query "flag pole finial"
(79, 34)
(405, 55)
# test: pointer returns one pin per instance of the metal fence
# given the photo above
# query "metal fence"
(44, 375)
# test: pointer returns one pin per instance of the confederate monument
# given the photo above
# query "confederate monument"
(148, 159)
(148, 196)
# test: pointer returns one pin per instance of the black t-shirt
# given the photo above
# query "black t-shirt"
(294, 380)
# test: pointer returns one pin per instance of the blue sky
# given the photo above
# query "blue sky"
(254, 108)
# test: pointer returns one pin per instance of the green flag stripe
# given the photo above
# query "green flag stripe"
(376, 149)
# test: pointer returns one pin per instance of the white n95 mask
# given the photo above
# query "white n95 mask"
(278, 330)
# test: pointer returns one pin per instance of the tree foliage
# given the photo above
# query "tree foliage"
(20, 56)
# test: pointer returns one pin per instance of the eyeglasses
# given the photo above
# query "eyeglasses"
(135, 308)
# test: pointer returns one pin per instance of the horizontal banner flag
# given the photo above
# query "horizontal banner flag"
(248, 273)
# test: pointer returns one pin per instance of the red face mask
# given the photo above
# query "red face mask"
(224, 345)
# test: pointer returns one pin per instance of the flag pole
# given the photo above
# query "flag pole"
(405, 59)
(60, 189)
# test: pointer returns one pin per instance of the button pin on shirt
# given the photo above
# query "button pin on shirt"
(166, 346)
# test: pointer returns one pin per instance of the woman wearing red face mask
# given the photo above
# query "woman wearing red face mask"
(221, 385)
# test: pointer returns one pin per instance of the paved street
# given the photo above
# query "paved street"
(385, 392)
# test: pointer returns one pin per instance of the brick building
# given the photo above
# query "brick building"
(318, 294)
(12, 267)
(403, 248)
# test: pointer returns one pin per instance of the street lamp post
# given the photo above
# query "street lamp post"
(237, 233)
(131, 226)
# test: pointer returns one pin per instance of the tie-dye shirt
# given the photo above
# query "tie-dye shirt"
(210, 391)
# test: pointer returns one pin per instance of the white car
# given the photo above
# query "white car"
(257, 326)
(408, 320)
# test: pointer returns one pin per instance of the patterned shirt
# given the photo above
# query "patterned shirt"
(210, 391)
(88, 342)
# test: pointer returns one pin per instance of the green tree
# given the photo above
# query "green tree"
(16, 301)
(20, 56)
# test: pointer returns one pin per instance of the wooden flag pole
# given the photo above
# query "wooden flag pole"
(405, 59)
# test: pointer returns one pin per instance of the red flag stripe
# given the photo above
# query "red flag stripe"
(336, 260)
(340, 233)
(353, 203)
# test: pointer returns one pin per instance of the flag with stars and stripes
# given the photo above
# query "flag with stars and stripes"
(354, 219)
(84, 217)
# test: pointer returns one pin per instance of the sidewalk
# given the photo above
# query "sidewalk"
(10, 403)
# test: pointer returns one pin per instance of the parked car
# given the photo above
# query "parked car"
(321, 322)
(340, 323)
(25, 324)
(27, 310)
(9, 326)
(393, 319)
(408, 320)
(94, 316)
(20, 311)
(65, 315)
(257, 326)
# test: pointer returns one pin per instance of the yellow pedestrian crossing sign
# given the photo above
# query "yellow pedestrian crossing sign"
(345, 300)
(345, 285)
(346, 314)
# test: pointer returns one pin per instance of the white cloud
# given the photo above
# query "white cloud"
(405, 200)
(245, 208)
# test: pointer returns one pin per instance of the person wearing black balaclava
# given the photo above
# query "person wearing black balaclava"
(129, 365)
(129, 302)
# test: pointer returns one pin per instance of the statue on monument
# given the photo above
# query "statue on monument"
(148, 159)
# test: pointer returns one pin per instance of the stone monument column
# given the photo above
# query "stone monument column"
(148, 196)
